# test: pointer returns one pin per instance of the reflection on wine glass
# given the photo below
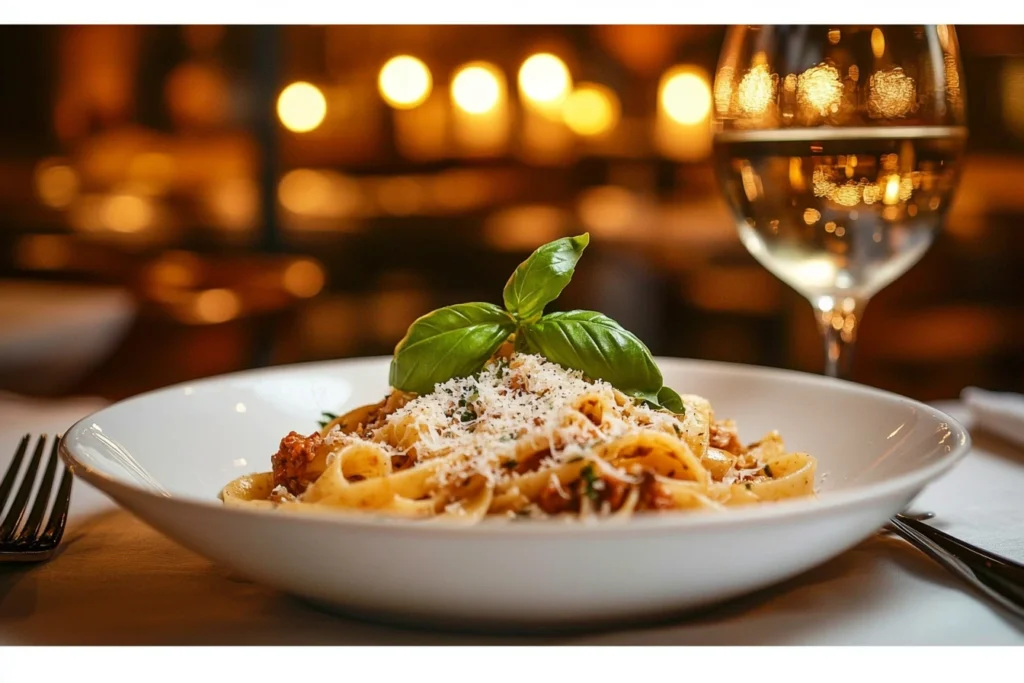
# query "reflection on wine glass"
(838, 149)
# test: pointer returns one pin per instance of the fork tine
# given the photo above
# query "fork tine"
(35, 518)
(59, 514)
(14, 515)
(12, 471)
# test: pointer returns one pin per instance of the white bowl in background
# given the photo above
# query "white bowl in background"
(53, 334)
(165, 456)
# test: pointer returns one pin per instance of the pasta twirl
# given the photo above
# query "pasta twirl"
(524, 438)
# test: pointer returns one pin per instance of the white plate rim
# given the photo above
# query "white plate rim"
(767, 513)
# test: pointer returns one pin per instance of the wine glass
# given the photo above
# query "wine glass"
(838, 148)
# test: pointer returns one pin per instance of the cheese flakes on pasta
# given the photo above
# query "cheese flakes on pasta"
(527, 437)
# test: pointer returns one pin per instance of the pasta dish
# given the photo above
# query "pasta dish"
(524, 437)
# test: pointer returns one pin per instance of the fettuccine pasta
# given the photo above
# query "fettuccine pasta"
(524, 438)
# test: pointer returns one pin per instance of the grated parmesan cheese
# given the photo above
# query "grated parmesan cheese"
(475, 422)
(280, 494)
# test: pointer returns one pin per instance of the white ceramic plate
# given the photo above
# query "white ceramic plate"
(165, 456)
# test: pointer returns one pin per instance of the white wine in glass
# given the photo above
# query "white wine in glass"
(839, 155)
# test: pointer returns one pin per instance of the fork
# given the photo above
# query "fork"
(31, 542)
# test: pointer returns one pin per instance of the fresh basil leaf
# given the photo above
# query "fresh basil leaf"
(541, 278)
(454, 341)
(648, 398)
(669, 400)
(597, 346)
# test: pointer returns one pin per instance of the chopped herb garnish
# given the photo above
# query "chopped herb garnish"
(590, 478)
(678, 431)
(747, 486)
(510, 464)
(768, 471)
(327, 419)
(467, 416)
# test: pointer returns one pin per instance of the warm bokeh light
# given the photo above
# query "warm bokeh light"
(756, 91)
(591, 109)
(301, 107)
(872, 193)
(892, 94)
(811, 216)
(404, 82)
(304, 191)
(127, 213)
(819, 90)
(724, 89)
(216, 305)
(906, 188)
(848, 194)
(176, 270)
(303, 278)
(609, 209)
(476, 89)
(56, 184)
(544, 79)
(877, 42)
(314, 193)
(891, 194)
(234, 203)
(796, 174)
(685, 96)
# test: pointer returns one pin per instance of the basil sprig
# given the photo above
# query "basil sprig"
(456, 341)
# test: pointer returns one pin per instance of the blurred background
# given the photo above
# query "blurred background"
(177, 202)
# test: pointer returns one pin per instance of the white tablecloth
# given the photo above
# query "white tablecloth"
(119, 582)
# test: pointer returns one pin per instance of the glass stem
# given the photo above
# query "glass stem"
(838, 319)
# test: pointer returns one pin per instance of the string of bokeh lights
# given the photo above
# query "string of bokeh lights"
(545, 85)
